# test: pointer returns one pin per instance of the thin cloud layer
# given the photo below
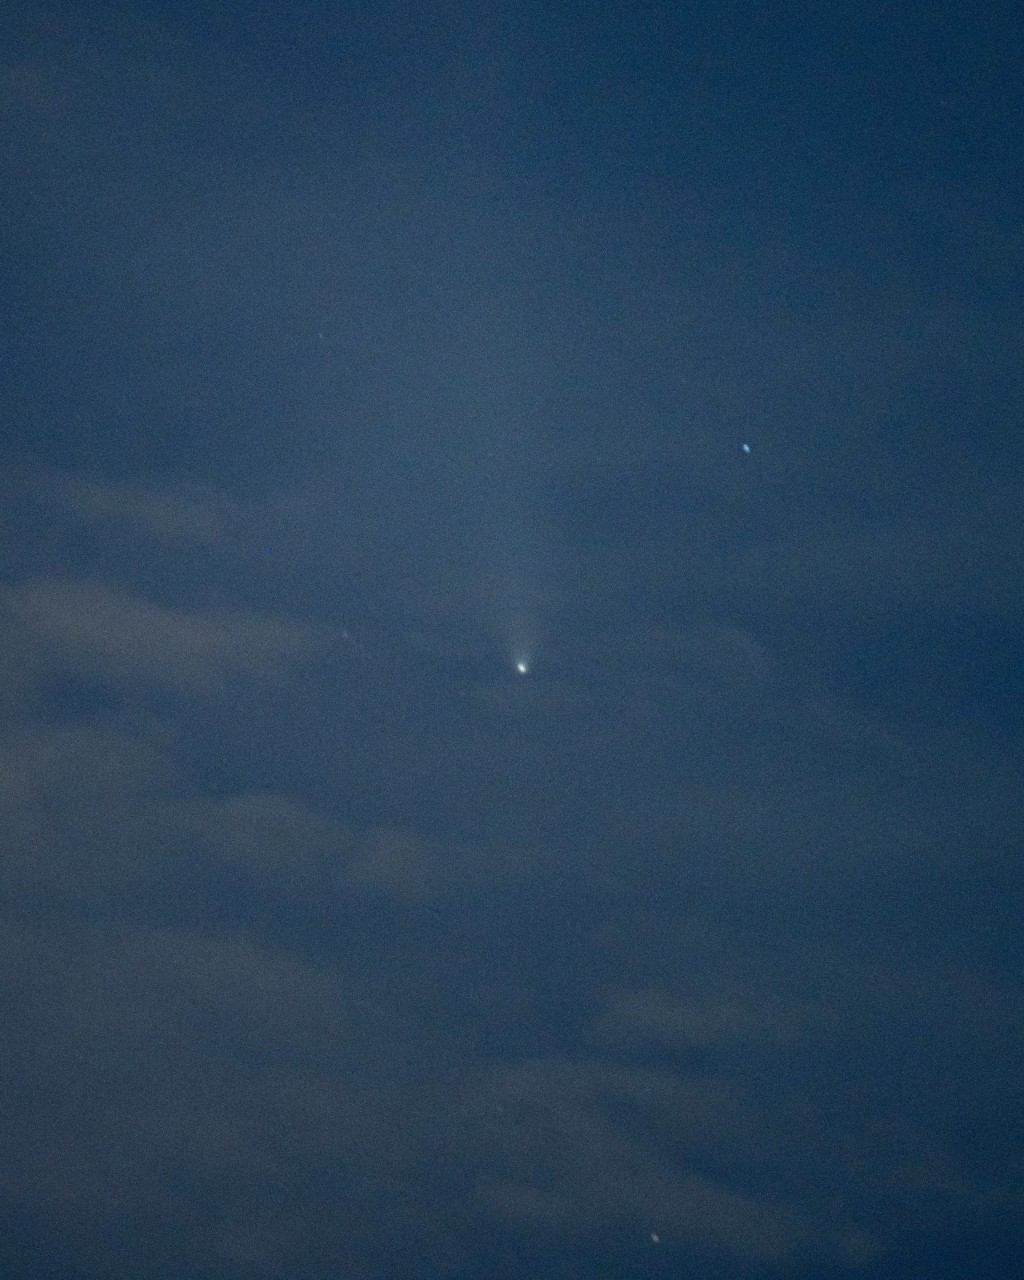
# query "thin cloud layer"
(183, 515)
(100, 631)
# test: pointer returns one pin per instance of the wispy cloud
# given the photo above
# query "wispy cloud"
(119, 637)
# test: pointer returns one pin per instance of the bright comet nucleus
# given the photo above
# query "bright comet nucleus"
(522, 659)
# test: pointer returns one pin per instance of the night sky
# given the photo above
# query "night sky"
(353, 356)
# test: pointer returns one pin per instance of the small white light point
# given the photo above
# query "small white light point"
(746, 448)
(522, 667)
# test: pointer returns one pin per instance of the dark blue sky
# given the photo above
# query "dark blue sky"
(353, 353)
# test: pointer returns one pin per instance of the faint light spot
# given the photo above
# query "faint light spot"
(522, 667)
(655, 1238)
(746, 448)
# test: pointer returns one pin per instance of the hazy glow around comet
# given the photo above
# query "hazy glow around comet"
(503, 496)
(522, 658)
